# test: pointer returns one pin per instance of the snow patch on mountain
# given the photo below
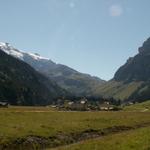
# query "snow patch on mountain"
(10, 50)
(36, 56)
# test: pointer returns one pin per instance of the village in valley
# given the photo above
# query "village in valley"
(84, 104)
(80, 105)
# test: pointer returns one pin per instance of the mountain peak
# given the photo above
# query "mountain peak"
(145, 48)
(4, 44)
(10, 50)
(136, 68)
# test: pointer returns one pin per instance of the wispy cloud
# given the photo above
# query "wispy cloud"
(115, 10)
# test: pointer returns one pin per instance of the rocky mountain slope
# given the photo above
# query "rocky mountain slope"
(132, 80)
(75, 82)
(21, 84)
(137, 68)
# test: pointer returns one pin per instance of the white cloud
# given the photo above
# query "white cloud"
(115, 10)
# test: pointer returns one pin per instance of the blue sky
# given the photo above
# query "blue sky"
(91, 36)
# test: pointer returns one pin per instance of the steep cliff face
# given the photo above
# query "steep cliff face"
(132, 80)
(136, 68)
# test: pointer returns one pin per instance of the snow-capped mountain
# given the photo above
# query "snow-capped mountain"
(10, 50)
(66, 77)
(21, 84)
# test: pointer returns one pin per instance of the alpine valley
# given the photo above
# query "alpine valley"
(31, 76)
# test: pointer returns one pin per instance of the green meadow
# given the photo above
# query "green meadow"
(19, 125)
(131, 140)
(143, 107)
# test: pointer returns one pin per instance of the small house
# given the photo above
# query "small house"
(83, 101)
(106, 106)
(70, 103)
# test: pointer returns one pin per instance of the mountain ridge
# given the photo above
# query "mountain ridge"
(79, 84)
(131, 81)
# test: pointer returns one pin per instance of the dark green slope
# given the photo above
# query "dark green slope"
(77, 83)
(21, 84)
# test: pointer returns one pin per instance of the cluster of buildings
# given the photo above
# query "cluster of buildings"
(85, 105)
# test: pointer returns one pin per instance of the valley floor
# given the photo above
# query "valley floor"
(42, 127)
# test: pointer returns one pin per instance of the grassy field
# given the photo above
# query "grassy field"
(19, 123)
(143, 107)
(131, 140)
